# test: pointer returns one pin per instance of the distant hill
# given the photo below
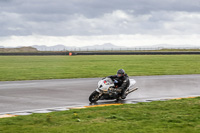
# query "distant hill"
(60, 47)
(21, 49)
(52, 48)
(106, 46)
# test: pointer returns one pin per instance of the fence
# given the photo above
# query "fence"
(115, 49)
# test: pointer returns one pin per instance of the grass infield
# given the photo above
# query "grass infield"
(173, 116)
(61, 67)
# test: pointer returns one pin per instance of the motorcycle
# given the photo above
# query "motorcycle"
(106, 90)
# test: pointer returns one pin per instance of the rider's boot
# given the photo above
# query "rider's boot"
(123, 94)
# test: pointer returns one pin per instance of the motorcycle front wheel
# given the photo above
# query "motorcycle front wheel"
(94, 97)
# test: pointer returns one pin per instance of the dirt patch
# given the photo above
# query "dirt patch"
(22, 49)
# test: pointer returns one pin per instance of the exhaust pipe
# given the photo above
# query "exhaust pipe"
(131, 90)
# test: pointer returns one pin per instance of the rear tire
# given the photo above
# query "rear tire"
(94, 97)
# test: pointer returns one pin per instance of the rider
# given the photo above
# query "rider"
(121, 81)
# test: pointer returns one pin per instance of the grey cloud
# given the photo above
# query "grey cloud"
(94, 17)
(95, 8)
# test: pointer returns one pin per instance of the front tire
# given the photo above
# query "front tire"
(94, 97)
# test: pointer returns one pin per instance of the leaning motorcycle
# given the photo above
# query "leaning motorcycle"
(106, 90)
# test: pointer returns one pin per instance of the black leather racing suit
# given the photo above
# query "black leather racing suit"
(123, 82)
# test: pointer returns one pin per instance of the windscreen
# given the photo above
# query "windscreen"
(108, 81)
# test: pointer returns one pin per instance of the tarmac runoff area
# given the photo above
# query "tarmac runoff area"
(44, 96)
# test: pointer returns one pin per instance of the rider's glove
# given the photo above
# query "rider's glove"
(115, 81)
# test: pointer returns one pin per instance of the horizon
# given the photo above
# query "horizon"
(108, 45)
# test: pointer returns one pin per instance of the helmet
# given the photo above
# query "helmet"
(120, 73)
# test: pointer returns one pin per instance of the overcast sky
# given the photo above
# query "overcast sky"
(91, 22)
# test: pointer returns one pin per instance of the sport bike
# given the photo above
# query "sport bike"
(106, 90)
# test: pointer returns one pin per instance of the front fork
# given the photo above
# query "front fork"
(100, 93)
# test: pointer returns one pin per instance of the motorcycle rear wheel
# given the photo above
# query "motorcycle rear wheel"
(94, 97)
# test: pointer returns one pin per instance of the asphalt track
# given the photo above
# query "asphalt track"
(40, 94)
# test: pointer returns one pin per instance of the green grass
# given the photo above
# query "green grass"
(60, 67)
(174, 116)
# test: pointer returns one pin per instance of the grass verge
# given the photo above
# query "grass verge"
(61, 67)
(173, 116)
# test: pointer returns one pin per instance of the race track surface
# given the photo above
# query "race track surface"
(37, 94)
